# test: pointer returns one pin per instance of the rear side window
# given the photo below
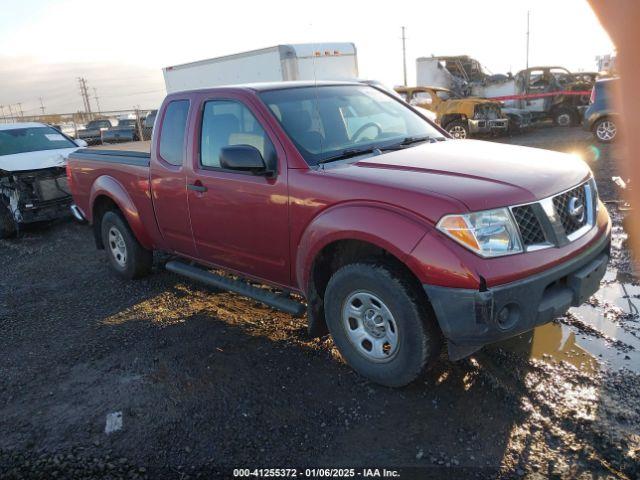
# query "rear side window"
(173, 130)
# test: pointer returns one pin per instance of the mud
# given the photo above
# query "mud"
(208, 381)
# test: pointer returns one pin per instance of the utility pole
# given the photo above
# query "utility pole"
(527, 67)
(404, 56)
(11, 113)
(41, 106)
(95, 95)
(85, 95)
(20, 109)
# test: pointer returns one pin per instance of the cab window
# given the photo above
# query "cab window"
(228, 122)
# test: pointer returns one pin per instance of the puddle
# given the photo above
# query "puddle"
(602, 333)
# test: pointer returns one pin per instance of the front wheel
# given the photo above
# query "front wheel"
(381, 325)
(458, 129)
(127, 257)
(605, 130)
(7, 224)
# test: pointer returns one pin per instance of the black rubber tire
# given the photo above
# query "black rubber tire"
(7, 225)
(139, 260)
(458, 123)
(564, 111)
(598, 123)
(419, 337)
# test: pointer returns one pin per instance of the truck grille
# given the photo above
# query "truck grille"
(529, 225)
(557, 220)
(565, 203)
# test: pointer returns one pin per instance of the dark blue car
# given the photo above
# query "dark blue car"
(125, 131)
(600, 117)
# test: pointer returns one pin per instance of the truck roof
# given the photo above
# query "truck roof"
(264, 86)
(299, 50)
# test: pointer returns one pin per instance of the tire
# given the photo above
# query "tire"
(458, 129)
(7, 224)
(605, 130)
(127, 257)
(564, 117)
(397, 308)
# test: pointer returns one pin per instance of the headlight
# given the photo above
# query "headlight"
(491, 233)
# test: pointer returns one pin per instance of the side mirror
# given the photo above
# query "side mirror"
(242, 157)
(81, 143)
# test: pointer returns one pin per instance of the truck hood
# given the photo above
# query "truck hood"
(35, 160)
(479, 174)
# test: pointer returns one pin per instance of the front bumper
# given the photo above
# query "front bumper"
(488, 126)
(45, 211)
(470, 319)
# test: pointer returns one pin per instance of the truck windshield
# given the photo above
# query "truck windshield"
(327, 120)
(32, 139)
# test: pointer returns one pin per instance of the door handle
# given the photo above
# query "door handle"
(197, 186)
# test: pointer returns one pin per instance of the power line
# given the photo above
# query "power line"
(95, 95)
(85, 94)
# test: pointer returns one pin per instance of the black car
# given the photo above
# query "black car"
(93, 131)
(600, 116)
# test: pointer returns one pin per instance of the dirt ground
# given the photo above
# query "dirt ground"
(205, 381)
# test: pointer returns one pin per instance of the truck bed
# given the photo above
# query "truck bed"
(115, 170)
(114, 155)
(144, 146)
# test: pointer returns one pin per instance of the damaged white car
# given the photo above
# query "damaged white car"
(33, 181)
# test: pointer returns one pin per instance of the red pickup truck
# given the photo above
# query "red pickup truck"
(355, 209)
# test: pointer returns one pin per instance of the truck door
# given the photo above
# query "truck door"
(240, 220)
(537, 82)
(168, 178)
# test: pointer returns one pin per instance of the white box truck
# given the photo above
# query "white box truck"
(308, 61)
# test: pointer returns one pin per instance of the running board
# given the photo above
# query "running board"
(273, 300)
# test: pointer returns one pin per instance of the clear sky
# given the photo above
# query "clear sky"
(120, 46)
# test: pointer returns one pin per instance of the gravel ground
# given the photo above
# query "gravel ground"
(207, 381)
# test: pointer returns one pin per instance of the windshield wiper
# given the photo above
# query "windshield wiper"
(412, 140)
(348, 153)
(354, 152)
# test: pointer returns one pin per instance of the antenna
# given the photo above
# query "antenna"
(404, 56)
(527, 67)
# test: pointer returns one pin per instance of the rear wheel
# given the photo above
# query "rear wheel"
(605, 130)
(380, 324)
(127, 257)
(458, 129)
(564, 117)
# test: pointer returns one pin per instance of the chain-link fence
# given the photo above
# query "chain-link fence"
(104, 127)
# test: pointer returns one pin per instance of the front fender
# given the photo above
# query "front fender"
(111, 188)
(390, 228)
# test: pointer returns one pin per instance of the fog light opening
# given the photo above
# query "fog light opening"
(508, 316)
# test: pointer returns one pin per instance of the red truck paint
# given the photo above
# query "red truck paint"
(272, 228)
(360, 201)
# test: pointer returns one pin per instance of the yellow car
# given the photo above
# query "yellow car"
(461, 117)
